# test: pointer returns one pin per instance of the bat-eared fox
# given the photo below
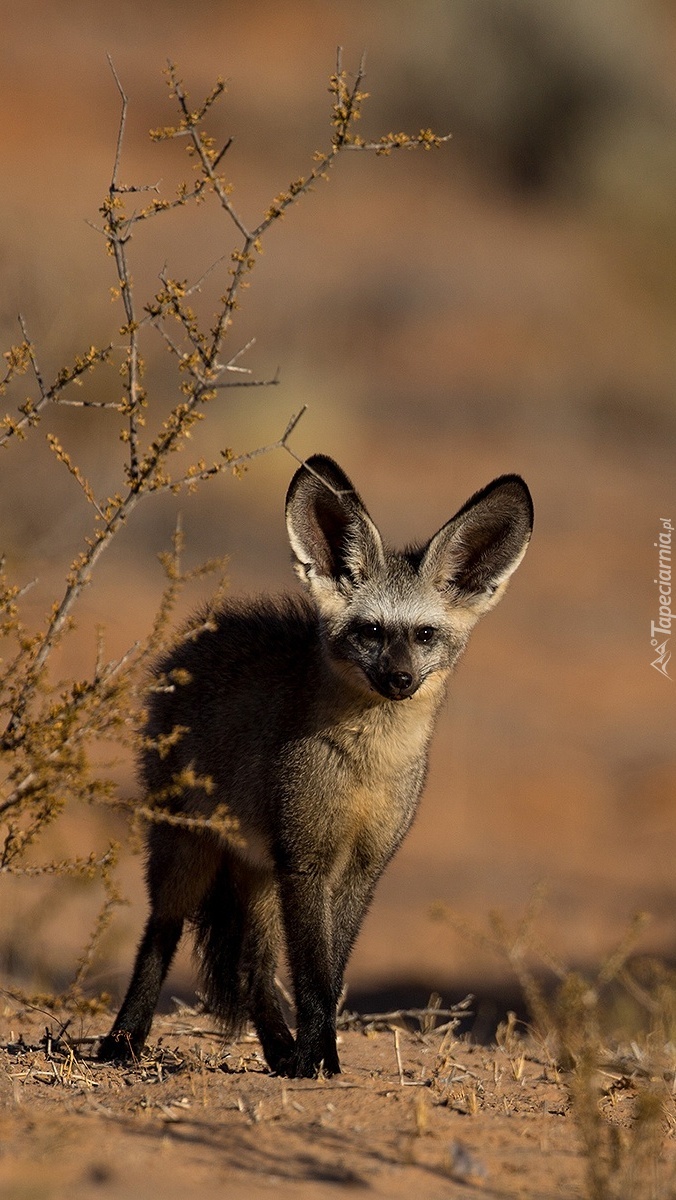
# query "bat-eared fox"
(310, 718)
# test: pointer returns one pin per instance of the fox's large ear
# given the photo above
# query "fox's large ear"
(473, 556)
(334, 540)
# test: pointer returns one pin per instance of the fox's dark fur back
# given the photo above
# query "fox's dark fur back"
(223, 661)
(310, 719)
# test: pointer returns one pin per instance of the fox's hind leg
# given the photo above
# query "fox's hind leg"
(132, 1025)
(238, 937)
(181, 866)
(259, 960)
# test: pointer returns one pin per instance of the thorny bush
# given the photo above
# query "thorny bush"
(50, 728)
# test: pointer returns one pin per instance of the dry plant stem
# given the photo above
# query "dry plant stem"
(117, 242)
(397, 1053)
(102, 677)
(112, 900)
(349, 1020)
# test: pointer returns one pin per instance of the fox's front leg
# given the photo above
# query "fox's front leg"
(306, 910)
(352, 896)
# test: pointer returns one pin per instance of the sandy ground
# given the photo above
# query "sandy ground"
(412, 1114)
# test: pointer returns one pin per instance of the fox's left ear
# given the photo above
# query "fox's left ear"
(473, 556)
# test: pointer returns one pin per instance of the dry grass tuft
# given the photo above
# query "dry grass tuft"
(575, 1025)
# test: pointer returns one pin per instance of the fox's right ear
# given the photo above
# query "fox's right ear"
(334, 541)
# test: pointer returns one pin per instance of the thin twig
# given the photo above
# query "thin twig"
(390, 143)
(207, 163)
(349, 1020)
(397, 1052)
(32, 409)
(123, 120)
(233, 463)
(117, 240)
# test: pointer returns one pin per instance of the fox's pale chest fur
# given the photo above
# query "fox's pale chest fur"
(382, 740)
(365, 766)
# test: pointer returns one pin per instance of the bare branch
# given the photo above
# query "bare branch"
(233, 463)
(111, 404)
(245, 383)
(121, 127)
(31, 409)
(424, 140)
(208, 159)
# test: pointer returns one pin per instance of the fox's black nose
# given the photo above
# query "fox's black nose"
(399, 683)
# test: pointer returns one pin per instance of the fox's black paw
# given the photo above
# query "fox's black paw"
(117, 1047)
(309, 1066)
(281, 1056)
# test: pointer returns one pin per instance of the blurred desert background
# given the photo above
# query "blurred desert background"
(506, 303)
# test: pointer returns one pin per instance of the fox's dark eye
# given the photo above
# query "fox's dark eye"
(425, 633)
(371, 632)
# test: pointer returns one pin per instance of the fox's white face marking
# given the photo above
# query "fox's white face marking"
(394, 618)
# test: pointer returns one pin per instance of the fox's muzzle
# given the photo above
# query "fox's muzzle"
(397, 685)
